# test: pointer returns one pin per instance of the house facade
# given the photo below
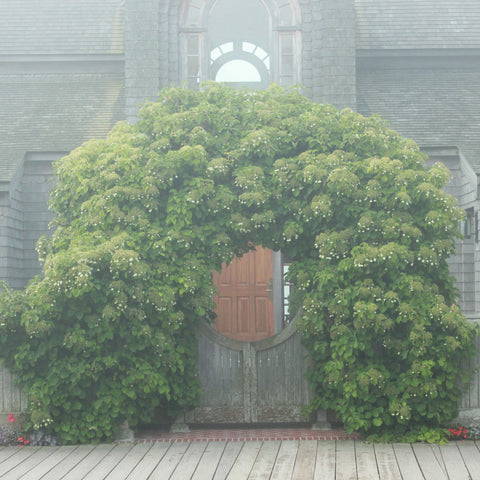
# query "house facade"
(70, 70)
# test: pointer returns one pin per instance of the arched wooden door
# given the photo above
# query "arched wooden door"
(245, 297)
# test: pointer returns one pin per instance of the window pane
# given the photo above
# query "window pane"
(248, 47)
(193, 66)
(216, 53)
(287, 65)
(286, 44)
(238, 71)
(192, 44)
(226, 47)
(261, 53)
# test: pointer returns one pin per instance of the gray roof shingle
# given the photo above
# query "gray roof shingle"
(61, 26)
(54, 113)
(435, 107)
(97, 26)
(399, 24)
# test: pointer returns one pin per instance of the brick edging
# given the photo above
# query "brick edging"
(233, 435)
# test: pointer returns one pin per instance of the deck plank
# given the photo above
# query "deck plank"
(285, 462)
(471, 457)
(366, 461)
(18, 457)
(428, 462)
(269, 460)
(346, 468)
(88, 462)
(209, 462)
(229, 456)
(246, 458)
(407, 462)
(148, 463)
(68, 463)
(108, 463)
(456, 469)
(44, 467)
(7, 452)
(305, 462)
(263, 466)
(169, 462)
(129, 462)
(30, 463)
(326, 458)
(387, 462)
(188, 464)
(439, 457)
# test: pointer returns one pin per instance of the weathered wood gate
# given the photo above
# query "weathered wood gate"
(248, 383)
(251, 382)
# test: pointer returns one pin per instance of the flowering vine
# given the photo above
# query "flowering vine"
(107, 334)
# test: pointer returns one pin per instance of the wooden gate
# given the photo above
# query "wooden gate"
(251, 382)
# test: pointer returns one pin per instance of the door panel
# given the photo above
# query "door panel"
(244, 305)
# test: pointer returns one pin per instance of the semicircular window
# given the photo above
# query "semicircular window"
(238, 71)
(240, 64)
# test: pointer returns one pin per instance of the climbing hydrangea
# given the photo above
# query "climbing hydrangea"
(107, 333)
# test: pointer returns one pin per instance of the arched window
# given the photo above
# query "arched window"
(247, 42)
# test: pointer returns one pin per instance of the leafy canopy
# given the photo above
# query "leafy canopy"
(143, 217)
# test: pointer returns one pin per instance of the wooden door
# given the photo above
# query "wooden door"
(244, 301)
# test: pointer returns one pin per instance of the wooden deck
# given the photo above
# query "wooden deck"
(268, 460)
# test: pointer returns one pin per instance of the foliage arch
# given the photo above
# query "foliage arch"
(143, 217)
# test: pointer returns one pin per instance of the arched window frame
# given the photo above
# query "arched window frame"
(285, 39)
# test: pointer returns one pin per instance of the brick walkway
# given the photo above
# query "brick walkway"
(234, 435)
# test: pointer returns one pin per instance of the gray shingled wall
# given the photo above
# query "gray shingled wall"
(142, 53)
(12, 400)
(477, 273)
(307, 47)
(463, 186)
(170, 44)
(11, 237)
(36, 183)
(45, 113)
(331, 53)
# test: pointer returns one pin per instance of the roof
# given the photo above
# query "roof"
(418, 24)
(54, 113)
(434, 106)
(97, 26)
(61, 26)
